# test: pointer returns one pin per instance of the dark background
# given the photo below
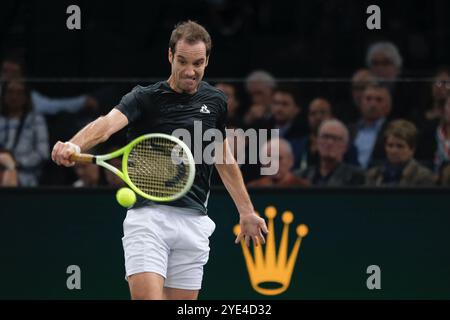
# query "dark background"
(288, 38)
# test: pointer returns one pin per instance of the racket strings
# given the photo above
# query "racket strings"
(158, 167)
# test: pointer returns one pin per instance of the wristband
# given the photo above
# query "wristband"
(77, 148)
(9, 166)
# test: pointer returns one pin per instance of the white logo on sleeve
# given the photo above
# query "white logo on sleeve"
(204, 109)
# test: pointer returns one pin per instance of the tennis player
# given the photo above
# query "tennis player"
(166, 246)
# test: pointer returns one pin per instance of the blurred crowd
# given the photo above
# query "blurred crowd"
(379, 130)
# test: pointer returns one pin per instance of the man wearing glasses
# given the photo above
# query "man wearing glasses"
(332, 143)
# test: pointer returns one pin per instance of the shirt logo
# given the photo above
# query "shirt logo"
(204, 109)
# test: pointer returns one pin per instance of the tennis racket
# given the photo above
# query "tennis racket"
(157, 166)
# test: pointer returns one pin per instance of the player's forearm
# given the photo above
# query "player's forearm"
(232, 179)
(100, 130)
(94, 133)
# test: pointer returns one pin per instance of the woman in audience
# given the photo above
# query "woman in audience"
(400, 168)
(23, 132)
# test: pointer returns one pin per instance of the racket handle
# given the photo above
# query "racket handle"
(82, 158)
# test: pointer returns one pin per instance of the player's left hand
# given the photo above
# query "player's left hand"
(252, 228)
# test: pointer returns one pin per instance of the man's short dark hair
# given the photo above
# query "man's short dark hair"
(378, 86)
(191, 32)
(291, 90)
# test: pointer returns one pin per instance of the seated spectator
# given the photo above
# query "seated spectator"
(332, 143)
(348, 109)
(442, 138)
(8, 172)
(259, 86)
(233, 104)
(23, 132)
(286, 113)
(319, 110)
(440, 90)
(385, 64)
(288, 118)
(400, 168)
(13, 68)
(384, 61)
(432, 118)
(367, 133)
(284, 177)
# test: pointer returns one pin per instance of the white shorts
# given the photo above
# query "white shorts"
(170, 241)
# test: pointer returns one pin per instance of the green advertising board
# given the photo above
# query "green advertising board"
(325, 244)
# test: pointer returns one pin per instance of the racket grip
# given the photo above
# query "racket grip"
(82, 158)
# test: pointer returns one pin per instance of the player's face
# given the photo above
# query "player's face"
(398, 151)
(188, 66)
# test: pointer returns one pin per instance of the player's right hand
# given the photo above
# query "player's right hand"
(62, 151)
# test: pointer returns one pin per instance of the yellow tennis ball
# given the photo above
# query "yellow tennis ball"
(125, 197)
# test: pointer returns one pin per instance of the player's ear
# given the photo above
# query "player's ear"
(207, 60)
(170, 56)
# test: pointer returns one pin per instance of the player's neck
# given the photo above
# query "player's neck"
(172, 85)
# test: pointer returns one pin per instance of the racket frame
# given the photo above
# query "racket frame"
(100, 160)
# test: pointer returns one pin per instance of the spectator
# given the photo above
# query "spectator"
(319, 110)
(259, 86)
(12, 68)
(233, 116)
(284, 177)
(400, 168)
(439, 91)
(385, 63)
(287, 117)
(367, 133)
(433, 117)
(332, 143)
(23, 132)
(360, 80)
(287, 113)
(442, 138)
(8, 172)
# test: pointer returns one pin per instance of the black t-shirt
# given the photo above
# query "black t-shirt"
(159, 109)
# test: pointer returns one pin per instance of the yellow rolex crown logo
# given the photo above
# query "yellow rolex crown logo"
(270, 267)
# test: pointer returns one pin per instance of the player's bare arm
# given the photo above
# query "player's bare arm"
(252, 226)
(92, 134)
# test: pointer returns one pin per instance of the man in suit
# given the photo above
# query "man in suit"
(367, 133)
(332, 143)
